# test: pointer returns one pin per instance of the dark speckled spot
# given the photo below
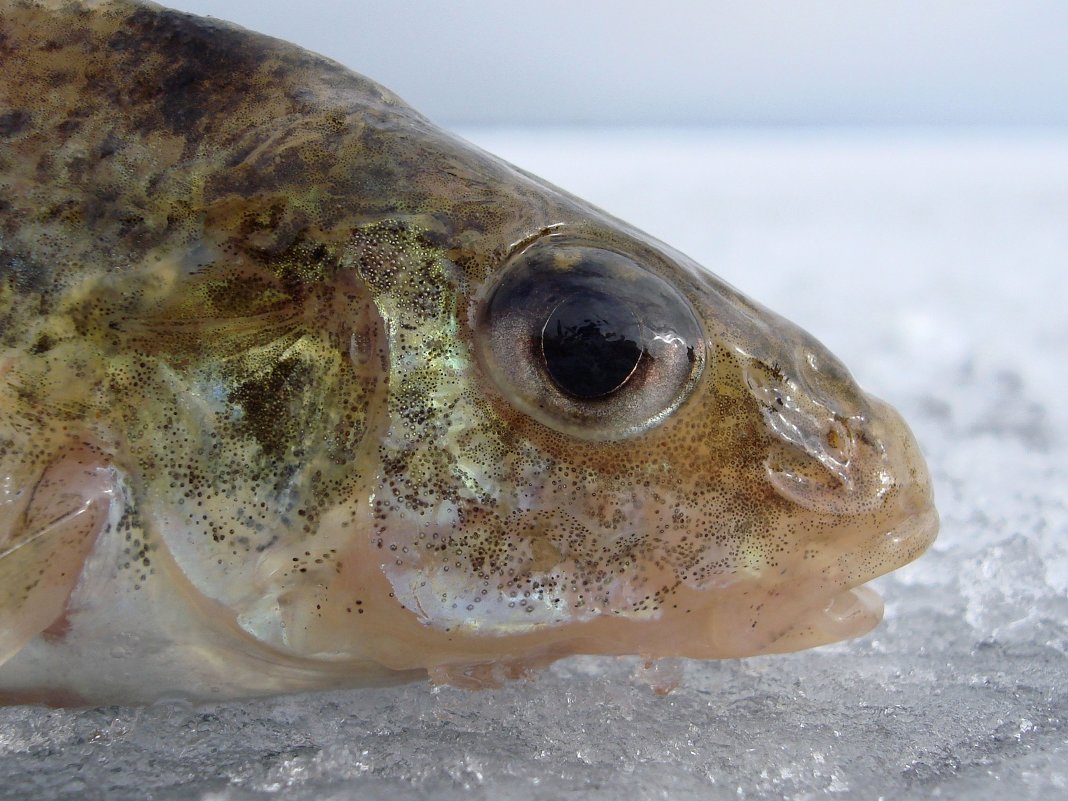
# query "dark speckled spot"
(13, 122)
(27, 276)
(268, 402)
(209, 71)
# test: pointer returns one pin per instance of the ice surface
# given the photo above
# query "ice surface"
(937, 268)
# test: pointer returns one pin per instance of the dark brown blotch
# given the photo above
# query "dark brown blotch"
(209, 71)
(270, 402)
(13, 122)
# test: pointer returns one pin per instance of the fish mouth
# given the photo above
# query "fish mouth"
(856, 610)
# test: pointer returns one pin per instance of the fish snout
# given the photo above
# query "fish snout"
(858, 504)
(835, 450)
(906, 523)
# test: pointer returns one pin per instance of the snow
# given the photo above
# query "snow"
(936, 266)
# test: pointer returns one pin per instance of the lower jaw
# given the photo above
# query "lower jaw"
(848, 614)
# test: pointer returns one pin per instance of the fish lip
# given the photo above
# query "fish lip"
(899, 545)
(902, 543)
(915, 531)
(923, 527)
(856, 609)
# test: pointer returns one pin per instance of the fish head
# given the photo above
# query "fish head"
(622, 454)
(735, 485)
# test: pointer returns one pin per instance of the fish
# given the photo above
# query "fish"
(299, 391)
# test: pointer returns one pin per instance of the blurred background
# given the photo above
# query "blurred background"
(681, 63)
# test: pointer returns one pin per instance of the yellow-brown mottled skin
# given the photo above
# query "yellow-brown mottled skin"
(259, 432)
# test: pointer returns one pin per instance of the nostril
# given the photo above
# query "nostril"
(834, 439)
(839, 442)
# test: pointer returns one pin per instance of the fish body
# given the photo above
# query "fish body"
(298, 390)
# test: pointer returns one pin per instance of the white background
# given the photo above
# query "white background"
(673, 62)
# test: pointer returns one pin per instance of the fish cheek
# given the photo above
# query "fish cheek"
(585, 550)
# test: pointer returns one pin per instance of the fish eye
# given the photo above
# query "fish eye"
(586, 340)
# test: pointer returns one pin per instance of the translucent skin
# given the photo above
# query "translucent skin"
(260, 433)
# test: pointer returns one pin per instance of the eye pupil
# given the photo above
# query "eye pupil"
(590, 343)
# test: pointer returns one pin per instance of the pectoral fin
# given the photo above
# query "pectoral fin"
(46, 533)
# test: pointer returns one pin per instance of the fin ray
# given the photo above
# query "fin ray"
(46, 543)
